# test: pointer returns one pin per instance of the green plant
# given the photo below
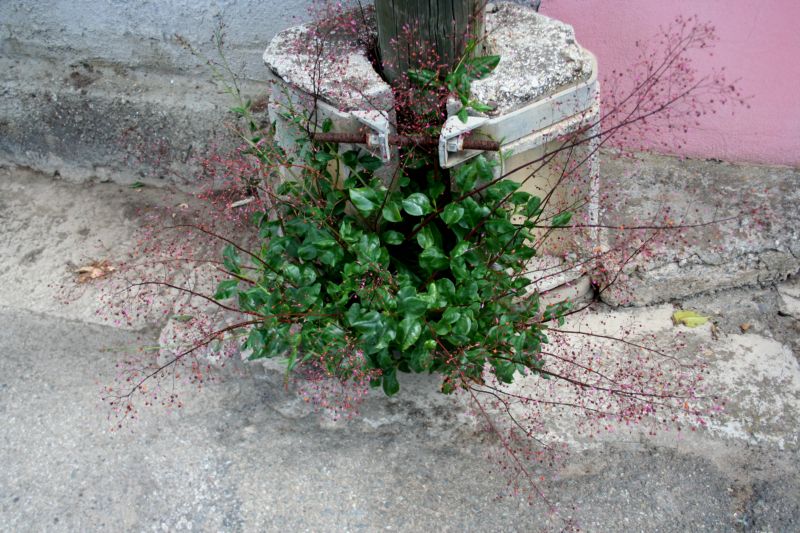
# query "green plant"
(361, 271)
(420, 272)
(458, 81)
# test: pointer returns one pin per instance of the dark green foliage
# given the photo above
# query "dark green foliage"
(458, 81)
(423, 274)
(418, 280)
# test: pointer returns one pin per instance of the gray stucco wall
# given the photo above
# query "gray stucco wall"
(84, 81)
(140, 33)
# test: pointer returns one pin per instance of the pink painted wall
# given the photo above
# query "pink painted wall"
(759, 44)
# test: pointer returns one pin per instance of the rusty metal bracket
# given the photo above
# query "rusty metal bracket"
(378, 138)
(482, 145)
(452, 139)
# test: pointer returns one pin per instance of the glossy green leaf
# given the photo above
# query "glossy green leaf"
(368, 322)
(483, 169)
(433, 259)
(307, 252)
(409, 304)
(452, 214)
(465, 177)
(425, 238)
(479, 67)
(533, 207)
(364, 198)
(389, 381)
(350, 159)
(392, 237)
(417, 204)
(422, 76)
(502, 189)
(391, 212)
(226, 289)
(410, 328)
(231, 259)
(480, 107)
(463, 325)
(420, 359)
(504, 370)
(561, 219)
(323, 157)
(370, 162)
(460, 249)
(451, 315)
(349, 232)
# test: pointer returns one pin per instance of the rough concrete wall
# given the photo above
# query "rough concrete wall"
(141, 34)
(102, 89)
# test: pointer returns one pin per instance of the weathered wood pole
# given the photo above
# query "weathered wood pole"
(443, 25)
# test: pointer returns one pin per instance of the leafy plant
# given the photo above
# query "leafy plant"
(361, 271)
(421, 274)
(420, 277)
(458, 81)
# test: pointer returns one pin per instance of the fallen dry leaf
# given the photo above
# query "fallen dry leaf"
(94, 270)
(744, 327)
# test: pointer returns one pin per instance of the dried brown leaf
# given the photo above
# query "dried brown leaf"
(94, 270)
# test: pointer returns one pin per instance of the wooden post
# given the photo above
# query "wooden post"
(443, 25)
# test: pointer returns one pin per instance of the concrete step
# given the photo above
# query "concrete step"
(101, 121)
(757, 245)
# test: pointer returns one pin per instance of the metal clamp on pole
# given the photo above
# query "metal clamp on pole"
(378, 138)
(451, 140)
(522, 123)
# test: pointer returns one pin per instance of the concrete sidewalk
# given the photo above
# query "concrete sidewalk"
(244, 455)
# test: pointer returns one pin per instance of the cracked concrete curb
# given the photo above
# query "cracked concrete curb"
(99, 122)
(759, 245)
